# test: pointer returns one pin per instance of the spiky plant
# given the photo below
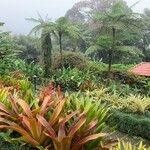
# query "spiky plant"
(50, 124)
(128, 146)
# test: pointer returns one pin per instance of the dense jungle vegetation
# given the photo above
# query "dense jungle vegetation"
(66, 85)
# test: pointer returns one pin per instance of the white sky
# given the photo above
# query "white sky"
(14, 12)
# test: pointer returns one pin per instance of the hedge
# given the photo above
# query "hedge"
(133, 124)
(4, 145)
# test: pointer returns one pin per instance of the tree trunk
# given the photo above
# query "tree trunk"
(144, 48)
(110, 61)
(61, 55)
(111, 50)
(47, 53)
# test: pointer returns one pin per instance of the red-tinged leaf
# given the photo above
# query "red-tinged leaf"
(24, 133)
(54, 117)
(7, 115)
(68, 117)
(27, 123)
(91, 126)
(61, 131)
(59, 91)
(80, 121)
(47, 126)
(72, 125)
(110, 143)
(25, 107)
(64, 144)
(91, 137)
(6, 121)
(13, 104)
(35, 128)
(45, 104)
(5, 109)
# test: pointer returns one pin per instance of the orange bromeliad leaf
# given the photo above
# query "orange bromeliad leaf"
(25, 107)
(78, 144)
(48, 127)
(3, 114)
(13, 104)
(59, 91)
(61, 131)
(26, 136)
(77, 125)
(54, 117)
(5, 109)
(91, 137)
(45, 104)
(91, 126)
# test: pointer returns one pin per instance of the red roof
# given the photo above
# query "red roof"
(141, 69)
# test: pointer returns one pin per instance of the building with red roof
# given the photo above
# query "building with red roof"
(142, 69)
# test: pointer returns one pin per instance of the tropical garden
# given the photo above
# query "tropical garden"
(66, 85)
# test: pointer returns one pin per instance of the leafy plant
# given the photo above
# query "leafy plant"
(128, 146)
(72, 79)
(93, 109)
(49, 124)
(138, 103)
(14, 84)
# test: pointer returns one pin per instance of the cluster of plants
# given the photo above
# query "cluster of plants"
(51, 122)
(69, 59)
(54, 121)
(127, 146)
(16, 82)
(130, 114)
(74, 79)
(111, 34)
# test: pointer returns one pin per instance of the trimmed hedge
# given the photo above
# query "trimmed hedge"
(4, 145)
(133, 124)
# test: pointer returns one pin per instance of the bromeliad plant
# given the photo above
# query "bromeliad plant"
(138, 103)
(49, 124)
(128, 146)
(94, 109)
(22, 86)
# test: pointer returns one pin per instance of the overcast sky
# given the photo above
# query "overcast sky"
(14, 12)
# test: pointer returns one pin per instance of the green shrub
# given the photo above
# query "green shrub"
(129, 123)
(4, 145)
(70, 59)
(122, 67)
(124, 83)
(72, 79)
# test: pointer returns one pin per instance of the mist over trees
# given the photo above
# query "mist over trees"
(104, 30)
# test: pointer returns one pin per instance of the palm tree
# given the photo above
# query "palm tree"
(46, 29)
(63, 27)
(111, 22)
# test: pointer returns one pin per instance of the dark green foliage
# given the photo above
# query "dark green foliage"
(8, 51)
(132, 124)
(70, 59)
(122, 80)
(4, 145)
(47, 48)
(30, 47)
(46, 28)
(72, 79)
(113, 27)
